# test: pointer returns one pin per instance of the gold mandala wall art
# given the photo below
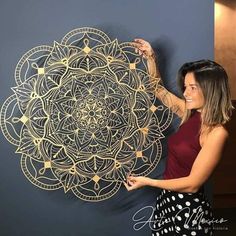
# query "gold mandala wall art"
(83, 115)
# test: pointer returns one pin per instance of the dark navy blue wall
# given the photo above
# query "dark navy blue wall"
(180, 31)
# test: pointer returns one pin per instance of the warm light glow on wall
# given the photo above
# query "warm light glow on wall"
(218, 10)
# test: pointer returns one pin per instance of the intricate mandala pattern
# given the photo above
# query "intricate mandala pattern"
(83, 115)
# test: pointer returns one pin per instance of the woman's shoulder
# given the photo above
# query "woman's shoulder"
(218, 132)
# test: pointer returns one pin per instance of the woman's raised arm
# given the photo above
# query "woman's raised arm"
(176, 104)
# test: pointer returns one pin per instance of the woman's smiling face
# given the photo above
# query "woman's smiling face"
(193, 93)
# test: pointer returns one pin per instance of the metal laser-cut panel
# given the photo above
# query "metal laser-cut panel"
(83, 115)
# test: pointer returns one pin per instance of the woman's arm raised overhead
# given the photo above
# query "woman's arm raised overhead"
(176, 104)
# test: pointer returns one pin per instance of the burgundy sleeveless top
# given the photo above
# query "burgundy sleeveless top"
(183, 148)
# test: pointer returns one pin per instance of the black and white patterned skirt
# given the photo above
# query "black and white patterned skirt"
(185, 214)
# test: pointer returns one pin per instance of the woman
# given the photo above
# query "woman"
(194, 150)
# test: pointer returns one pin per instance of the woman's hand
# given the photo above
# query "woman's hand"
(136, 182)
(144, 48)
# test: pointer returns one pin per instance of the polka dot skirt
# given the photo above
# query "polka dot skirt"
(185, 214)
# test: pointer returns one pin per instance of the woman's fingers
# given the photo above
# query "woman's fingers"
(142, 42)
(135, 44)
(130, 182)
(128, 186)
(139, 40)
(139, 45)
(131, 178)
(138, 49)
(134, 182)
(142, 47)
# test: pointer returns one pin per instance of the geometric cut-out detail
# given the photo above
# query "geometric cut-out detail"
(81, 109)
